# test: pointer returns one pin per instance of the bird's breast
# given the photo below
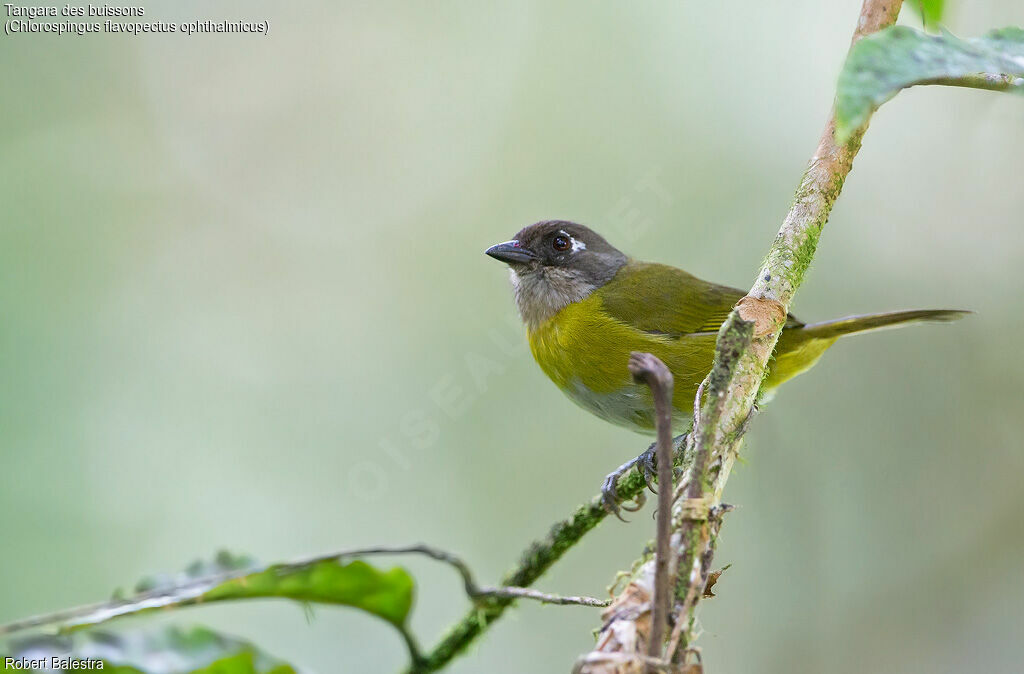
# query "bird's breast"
(585, 352)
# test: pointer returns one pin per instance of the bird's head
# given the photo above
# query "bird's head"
(554, 263)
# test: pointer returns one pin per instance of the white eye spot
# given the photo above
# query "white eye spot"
(577, 245)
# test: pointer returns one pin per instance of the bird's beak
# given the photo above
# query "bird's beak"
(511, 252)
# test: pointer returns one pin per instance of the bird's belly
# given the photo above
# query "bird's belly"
(630, 406)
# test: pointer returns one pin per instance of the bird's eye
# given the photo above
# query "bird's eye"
(560, 243)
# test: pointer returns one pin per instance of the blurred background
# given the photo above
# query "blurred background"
(244, 304)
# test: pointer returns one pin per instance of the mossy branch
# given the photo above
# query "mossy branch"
(535, 561)
(745, 343)
(748, 337)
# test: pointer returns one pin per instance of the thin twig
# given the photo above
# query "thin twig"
(473, 590)
(543, 597)
(188, 593)
(987, 81)
(647, 368)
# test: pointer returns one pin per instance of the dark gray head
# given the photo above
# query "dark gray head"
(554, 263)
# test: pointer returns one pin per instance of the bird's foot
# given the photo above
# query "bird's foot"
(647, 465)
(610, 492)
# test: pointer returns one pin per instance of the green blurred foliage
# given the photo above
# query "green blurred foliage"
(169, 650)
(880, 65)
(930, 11)
(241, 663)
(244, 304)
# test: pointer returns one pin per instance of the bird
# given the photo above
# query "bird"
(586, 306)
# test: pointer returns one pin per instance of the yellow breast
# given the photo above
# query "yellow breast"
(585, 352)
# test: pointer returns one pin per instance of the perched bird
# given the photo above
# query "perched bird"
(586, 306)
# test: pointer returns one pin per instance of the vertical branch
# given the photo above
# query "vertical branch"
(699, 508)
(648, 369)
(748, 337)
(745, 344)
(790, 255)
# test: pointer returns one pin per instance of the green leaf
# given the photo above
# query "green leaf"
(387, 594)
(931, 12)
(880, 65)
(242, 663)
(324, 580)
(195, 650)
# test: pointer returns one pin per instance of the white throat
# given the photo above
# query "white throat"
(543, 292)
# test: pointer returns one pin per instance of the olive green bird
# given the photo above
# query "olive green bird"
(586, 306)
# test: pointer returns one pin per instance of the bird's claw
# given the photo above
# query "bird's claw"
(646, 463)
(610, 494)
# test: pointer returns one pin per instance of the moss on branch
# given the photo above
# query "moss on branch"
(540, 556)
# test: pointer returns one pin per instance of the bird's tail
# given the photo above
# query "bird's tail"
(892, 319)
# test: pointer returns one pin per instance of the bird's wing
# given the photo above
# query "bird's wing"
(660, 299)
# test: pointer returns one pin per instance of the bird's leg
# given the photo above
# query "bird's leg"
(609, 489)
(647, 465)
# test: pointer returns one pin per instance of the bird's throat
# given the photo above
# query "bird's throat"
(544, 291)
